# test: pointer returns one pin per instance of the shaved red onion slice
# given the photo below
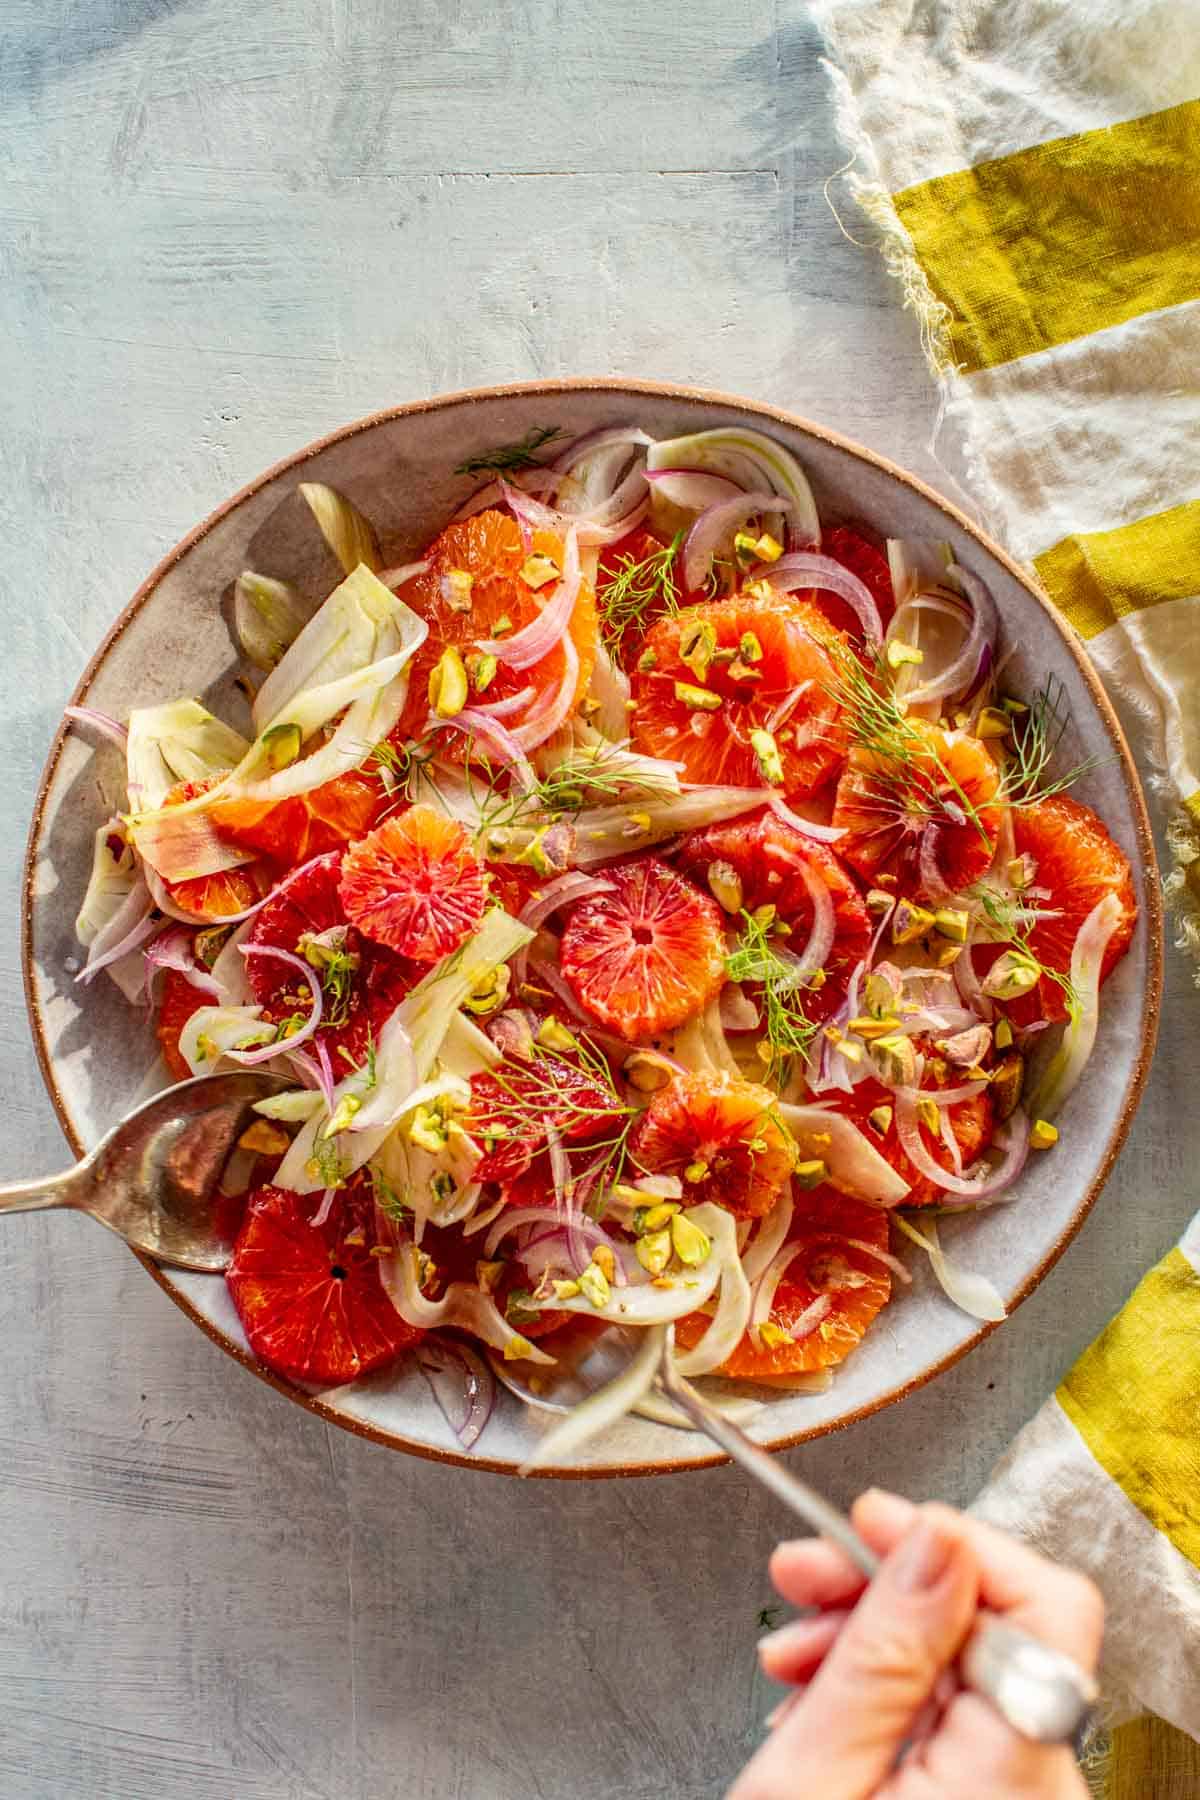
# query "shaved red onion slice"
(395, 578)
(326, 1207)
(266, 1051)
(127, 930)
(943, 1096)
(504, 709)
(536, 729)
(964, 670)
(315, 1070)
(462, 1384)
(768, 1286)
(537, 639)
(806, 569)
(884, 1256)
(714, 525)
(821, 834)
(132, 940)
(813, 1315)
(815, 953)
(99, 721)
(559, 892)
(493, 736)
(535, 481)
(540, 1215)
(166, 904)
(968, 984)
(536, 517)
(927, 863)
(989, 1182)
(174, 949)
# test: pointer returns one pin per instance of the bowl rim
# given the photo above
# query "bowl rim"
(754, 410)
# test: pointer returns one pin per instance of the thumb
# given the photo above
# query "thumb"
(885, 1664)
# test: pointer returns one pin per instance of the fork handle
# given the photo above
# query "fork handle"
(1042, 1694)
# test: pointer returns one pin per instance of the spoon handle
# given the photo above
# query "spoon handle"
(1042, 1694)
(37, 1196)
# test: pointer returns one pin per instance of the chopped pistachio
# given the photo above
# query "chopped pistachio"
(548, 849)
(818, 977)
(502, 627)
(654, 1251)
(691, 1245)
(695, 1171)
(765, 916)
(448, 684)
(895, 1059)
(552, 1034)
(759, 590)
(281, 745)
(456, 589)
(930, 1117)
(427, 1128)
(593, 1285)
(536, 571)
(481, 670)
(725, 886)
(662, 1281)
(878, 901)
(743, 671)
(952, 922)
(1042, 1135)
(1004, 1035)
(487, 1275)
(647, 661)
(1013, 973)
(1021, 871)
(654, 1218)
(697, 645)
(899, 653)
(946, 954)
(852, 1052)
(766, 755)
(605, 1261)
(910, 922)
(516, 1348)
(489, 993)
(749, 648)
(646, 1071)
(745, 547)
(264, 1138)
(641, 821)
(697, 699)
(966, 1048)
(772, 1335)
(880, 1120)
(343, 1112)
(1007, 1080)
(768, 549)
(873, 1027)
(565, 1290)
(992, 723)
(1013, 706)
(810, 1174)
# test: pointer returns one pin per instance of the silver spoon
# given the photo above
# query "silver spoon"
(1042, 1694)
(153, 1178)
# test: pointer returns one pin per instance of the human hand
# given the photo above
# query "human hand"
(872, 1670)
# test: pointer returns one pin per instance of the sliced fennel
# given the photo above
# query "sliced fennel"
(855, 1166)
(973, 1292)
(212, 1030)
(356, 626)
(918, 564)
(268, 617)
(466, 1050)
(291, 1108)
(732, 1316)
(349, 535)
(1079, 1038)
(462, 1305)
(179, 741)
(649, 1305)
(404, 1058)
(113, 879)
(748, 458)
(607, 831)
(660, 1411)
(603, 1408)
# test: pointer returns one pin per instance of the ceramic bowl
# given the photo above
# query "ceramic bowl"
(97, 1055)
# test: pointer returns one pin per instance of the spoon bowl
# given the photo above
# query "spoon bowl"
(153, 1179)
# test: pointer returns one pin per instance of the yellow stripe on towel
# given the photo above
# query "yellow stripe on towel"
(1097, 577)
(1132, 1396)
(1063, 239)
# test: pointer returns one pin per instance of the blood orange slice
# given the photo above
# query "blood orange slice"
(971, 1121)
(765, 855)
(415, 884)
(1079, 863)
(723, 1136)
(512, 1106)
(290, 831)
(834, 1238)
(361, 986)
(178, 1000)
(490, 550)
(764, 667)
(646, 956)
(940, 783)
(230, 891)
(309, 1296)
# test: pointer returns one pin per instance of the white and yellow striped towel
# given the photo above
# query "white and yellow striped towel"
(1033, 169)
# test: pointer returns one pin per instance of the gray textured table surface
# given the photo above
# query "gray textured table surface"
(225, 229)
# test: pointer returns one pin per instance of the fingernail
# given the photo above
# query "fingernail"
(922, 1557)
(773, 1637)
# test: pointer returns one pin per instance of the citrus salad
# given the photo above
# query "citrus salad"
(660, 908)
